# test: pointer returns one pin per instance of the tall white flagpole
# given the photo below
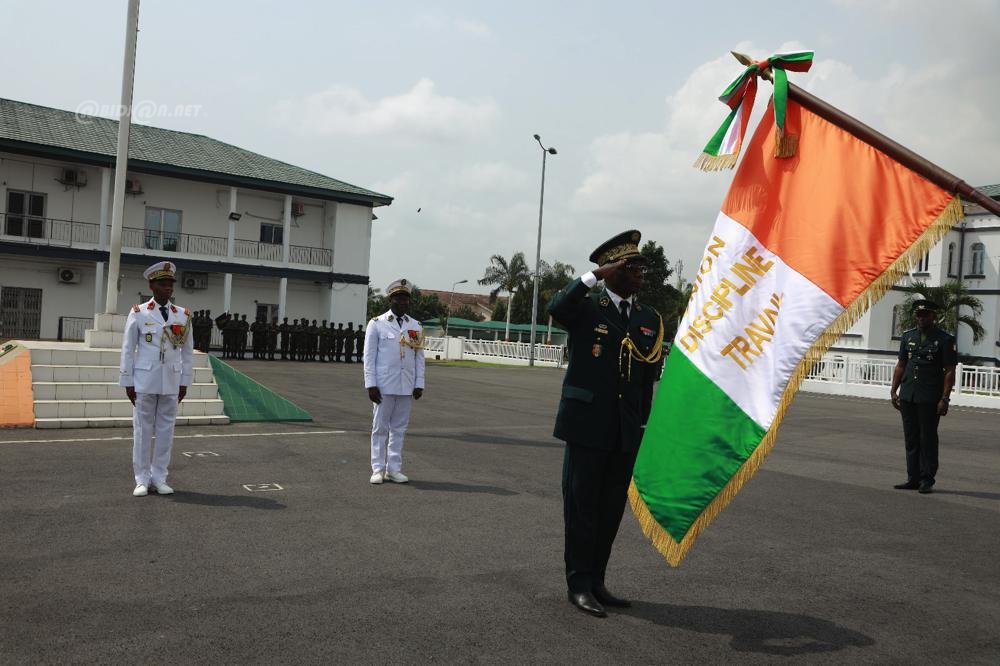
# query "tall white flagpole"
(121, 161)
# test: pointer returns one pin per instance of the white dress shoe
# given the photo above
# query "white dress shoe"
(140, 491)
(163, 489)
(397, 477)
(377, 477)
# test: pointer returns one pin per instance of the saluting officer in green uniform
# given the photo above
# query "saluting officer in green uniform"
(921, 391)
(614, 353)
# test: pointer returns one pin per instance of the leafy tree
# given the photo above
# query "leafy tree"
(377, 303)
(427, 307)
(949, 297)
(422, 307)
(657, 290)
(554, 278)
(466, 312)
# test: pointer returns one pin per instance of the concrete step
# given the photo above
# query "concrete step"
(123, 422)
(79, 409)
(95, 373)
(105, 391)
(93, 357)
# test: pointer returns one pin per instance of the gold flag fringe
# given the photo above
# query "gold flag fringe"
(675, 551)
(709, 162)
(785, 144)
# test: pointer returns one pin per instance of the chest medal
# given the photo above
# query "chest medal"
(149, 337)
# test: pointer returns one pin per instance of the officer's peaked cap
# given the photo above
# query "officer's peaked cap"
(623, 246)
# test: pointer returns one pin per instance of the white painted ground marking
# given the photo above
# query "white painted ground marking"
(198, 436)
(261, 487)
(199, 454)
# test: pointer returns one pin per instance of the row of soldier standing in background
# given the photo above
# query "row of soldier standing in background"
(298, 341)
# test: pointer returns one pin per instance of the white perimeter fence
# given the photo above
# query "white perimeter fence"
(492, 351)
(872, 378)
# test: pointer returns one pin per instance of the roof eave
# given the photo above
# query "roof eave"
(156, 168)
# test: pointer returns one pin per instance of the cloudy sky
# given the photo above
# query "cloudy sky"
(435, 103)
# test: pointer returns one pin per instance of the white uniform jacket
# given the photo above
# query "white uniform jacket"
(150, 362)
(395, 368)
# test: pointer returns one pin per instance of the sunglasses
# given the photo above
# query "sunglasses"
(637, 266)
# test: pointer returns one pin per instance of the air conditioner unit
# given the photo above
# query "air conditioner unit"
(68, 275)
(191, 280)
(133, 186)
(73, 177)
(298, 209)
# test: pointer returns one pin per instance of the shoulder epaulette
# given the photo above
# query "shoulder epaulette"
(135, 308)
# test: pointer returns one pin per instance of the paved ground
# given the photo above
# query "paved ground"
(818, 560)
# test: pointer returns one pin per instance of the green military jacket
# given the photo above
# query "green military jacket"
(927, 358)
(607, 391)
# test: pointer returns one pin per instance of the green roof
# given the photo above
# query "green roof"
(23, 123)
(455, 322)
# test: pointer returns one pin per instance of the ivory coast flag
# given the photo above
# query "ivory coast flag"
(801, 248)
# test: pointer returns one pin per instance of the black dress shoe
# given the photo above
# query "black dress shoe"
(586, 602)
(602, 595)
(925, 487)
(909, 485)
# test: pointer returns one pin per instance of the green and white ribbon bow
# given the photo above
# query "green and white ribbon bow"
(724, 147)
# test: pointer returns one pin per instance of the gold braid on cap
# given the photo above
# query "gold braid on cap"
(628, 345)
(618, 252)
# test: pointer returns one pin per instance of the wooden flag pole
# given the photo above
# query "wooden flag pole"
(879, 141)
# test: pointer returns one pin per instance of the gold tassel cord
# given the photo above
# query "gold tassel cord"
(628, 345)
(405, 341)
(674, 551)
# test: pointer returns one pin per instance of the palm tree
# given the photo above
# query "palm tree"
(949, 297)
(509, 276)
(554, 278)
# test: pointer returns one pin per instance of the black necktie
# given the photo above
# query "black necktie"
(399, 320)
(163, 311)
(623, 309)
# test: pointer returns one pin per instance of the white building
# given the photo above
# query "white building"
(250, 234)
(970, 253)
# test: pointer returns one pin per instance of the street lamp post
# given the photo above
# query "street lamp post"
(451, 297)
(538, 253)
(510, 306)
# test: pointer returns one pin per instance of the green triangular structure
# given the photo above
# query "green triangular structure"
(247, 400)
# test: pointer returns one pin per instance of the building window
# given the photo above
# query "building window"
(25, 214)
(951, 260)
(163, 229)
(266, 312)
(272, 233)
(924, 264)
(978, 259)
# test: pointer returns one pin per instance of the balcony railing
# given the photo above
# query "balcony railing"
(70, 233)
(47, 231)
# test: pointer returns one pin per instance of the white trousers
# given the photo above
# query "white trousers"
(153, 414)
(389, 423)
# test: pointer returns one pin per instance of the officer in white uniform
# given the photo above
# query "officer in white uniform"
(156, 369)
(394, 377)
